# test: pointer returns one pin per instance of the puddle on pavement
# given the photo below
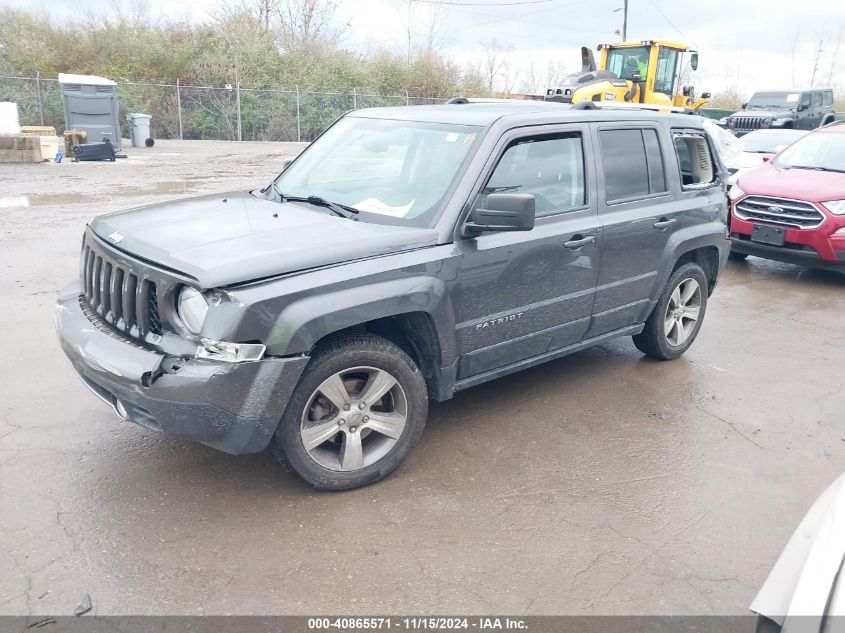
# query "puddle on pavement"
(189, 185)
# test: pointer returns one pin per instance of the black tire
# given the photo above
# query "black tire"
(737, 257)
(653, 341)
(336, 355)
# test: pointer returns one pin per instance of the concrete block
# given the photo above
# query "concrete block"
(39, 130)
(20, 155)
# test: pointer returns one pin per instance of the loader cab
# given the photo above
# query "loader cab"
(661, 69)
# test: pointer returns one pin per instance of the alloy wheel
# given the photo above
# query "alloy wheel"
(354, 418)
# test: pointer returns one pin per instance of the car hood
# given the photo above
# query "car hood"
(775, 113)
(804, 582)
(799, 184)
(230, 238)
(747, 159)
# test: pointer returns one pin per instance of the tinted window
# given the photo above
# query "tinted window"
(827, 98)
(817, 99)
(632, 164)
(551, 168)
(657, 180)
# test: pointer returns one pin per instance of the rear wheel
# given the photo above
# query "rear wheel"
(356, 413)
(676, 319)
(737, 257)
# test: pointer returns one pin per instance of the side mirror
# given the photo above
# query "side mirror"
(693, 61)
(636, 78)
(705, 95)
(767, 158)
(286, 163)
(803, 106)
(744, 105)
(504, 212)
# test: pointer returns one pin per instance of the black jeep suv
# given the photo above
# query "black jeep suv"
(408, 253)
(790, 109)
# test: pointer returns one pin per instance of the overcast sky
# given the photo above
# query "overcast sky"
(742, 43)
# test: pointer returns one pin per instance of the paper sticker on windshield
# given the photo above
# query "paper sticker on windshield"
(451, 137)
(373, 205)
(792, 98)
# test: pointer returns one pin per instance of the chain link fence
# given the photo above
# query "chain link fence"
(214, 113)
(206, 112)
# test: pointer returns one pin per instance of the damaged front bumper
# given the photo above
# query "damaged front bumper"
(233, 407)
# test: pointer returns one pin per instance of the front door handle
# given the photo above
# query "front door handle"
(578, 241)
(664, 223)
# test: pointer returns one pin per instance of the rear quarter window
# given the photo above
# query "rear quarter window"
(695, 160)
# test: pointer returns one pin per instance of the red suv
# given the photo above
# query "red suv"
(792, 208)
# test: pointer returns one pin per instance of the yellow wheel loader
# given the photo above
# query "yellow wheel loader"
(651, 71)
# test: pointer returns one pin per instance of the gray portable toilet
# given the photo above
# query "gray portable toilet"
(90, 104)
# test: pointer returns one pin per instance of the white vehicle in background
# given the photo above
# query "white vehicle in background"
(805, 591)
(757, 147)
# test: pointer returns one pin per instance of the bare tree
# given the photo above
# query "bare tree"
(496, 60)
(837, 47)
(305, 23)
(816, 59)
(794, 34)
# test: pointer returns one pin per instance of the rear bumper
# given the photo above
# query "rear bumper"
(233, 407)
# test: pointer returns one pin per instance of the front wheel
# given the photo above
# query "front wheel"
(359, 408)
(676, 319)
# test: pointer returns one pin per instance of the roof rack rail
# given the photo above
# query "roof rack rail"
(619, 105)
(463, 100)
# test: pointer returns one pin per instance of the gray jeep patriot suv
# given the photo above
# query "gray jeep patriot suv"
(406, 254)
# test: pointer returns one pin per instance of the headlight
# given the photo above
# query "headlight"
(191, 308)
(731, 122)
(230, 352)
(837, 207)
(766, 122)
(735, 192)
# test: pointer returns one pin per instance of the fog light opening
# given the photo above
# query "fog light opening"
(120, 409)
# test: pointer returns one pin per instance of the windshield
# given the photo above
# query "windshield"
(624, 62)
(774, 100)
(822, 150)
(768, 141)
(393, 172)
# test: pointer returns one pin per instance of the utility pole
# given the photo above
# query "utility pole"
(625, 22)
(624, 10)
(816, 63)
(409, 32)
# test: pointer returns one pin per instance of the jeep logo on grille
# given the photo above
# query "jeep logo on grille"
(116, 237)
(776, 210)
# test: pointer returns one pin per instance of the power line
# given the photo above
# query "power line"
(484, 4)
(672, 24)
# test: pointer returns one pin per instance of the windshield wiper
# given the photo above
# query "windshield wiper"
(341, 210)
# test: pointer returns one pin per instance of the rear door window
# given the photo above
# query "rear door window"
(633, 165)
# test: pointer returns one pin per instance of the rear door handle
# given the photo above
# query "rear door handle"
(664, 223)
(579, 241)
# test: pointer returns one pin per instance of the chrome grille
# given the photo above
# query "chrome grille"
(780, 211)
(116, 295)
